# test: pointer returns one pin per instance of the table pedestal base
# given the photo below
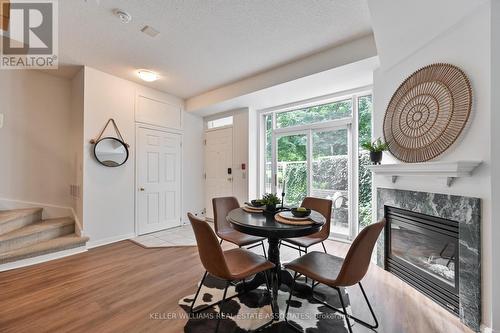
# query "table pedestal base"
(278, 276)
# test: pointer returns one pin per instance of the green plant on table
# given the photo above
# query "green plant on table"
(270, 199)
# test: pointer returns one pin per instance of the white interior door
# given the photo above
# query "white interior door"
(158, 199)
(218, 163)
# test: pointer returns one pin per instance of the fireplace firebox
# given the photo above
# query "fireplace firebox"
(422, 250)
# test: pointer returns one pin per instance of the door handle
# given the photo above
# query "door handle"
(141, 189)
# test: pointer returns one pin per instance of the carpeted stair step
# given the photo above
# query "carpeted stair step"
(17, 218)
(35, 233)
(45, 247)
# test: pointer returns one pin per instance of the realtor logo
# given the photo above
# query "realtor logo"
(30, 40)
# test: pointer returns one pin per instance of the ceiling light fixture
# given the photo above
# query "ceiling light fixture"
(122, 15)
(147, 75)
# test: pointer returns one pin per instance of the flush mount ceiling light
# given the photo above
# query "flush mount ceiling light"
(147, 75)
(122, 15)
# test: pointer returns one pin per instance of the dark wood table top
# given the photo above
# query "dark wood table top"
(258, 224)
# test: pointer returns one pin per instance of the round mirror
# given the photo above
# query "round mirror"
(111, 152)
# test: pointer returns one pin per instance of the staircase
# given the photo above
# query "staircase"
(23, 234)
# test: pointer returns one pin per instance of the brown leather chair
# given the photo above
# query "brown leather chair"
(232, 265)
(222, 206)
(324, 206)
(336, 272)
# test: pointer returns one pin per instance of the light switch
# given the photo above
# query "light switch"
(1, 120)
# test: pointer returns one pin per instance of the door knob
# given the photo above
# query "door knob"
(229, 179)
(141, 189)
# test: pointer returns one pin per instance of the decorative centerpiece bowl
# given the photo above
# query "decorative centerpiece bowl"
(301, 212)
(257, 203)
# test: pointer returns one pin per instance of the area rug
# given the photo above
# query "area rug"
(249, 311)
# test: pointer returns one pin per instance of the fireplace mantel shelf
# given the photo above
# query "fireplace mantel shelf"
(450, 170)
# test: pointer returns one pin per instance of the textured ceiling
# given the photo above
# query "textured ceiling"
(203, 44)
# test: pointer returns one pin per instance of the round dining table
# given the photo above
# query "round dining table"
(265, 225)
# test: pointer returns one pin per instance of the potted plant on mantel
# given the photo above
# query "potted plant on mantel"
(376, 148)
(270, 200)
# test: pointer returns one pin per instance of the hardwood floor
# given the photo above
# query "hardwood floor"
(122, 287)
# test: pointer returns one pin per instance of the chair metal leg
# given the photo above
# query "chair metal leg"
(345, 310)
(290, 297)
(288, 304)
(306, 276)
(191, 311)
(288, 245)
(268, 287)
(198, 292)
(324, 248)
(221, 307)
(263, 249)
(370, 307)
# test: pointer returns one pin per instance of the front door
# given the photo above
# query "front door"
(218, 164)
(158, 180)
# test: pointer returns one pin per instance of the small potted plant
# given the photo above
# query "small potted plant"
(270, 200)
(376, 148)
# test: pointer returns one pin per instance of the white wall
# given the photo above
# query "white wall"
(466, 44)
(34, 142)
(109, 193)
(77, 86)
(495, 162)
(253, 154)
(193, 184)
(240, 154)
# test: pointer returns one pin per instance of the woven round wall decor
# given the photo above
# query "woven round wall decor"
(427, 113)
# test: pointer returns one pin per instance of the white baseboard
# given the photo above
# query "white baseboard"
(49, 210)
(486, 329)
(42, 258)
(100, 242)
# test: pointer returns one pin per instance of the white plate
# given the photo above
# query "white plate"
(289, 216)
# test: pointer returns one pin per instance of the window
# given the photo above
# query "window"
(221, 122)
(314, 114)
(315, 151)
(364, 175)
(268, 153)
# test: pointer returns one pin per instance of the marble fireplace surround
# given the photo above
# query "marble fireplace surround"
(467, 212)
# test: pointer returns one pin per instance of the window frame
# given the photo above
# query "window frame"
(352, 125)
(212, 119)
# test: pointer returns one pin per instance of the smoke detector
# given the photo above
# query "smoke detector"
(122, 15)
